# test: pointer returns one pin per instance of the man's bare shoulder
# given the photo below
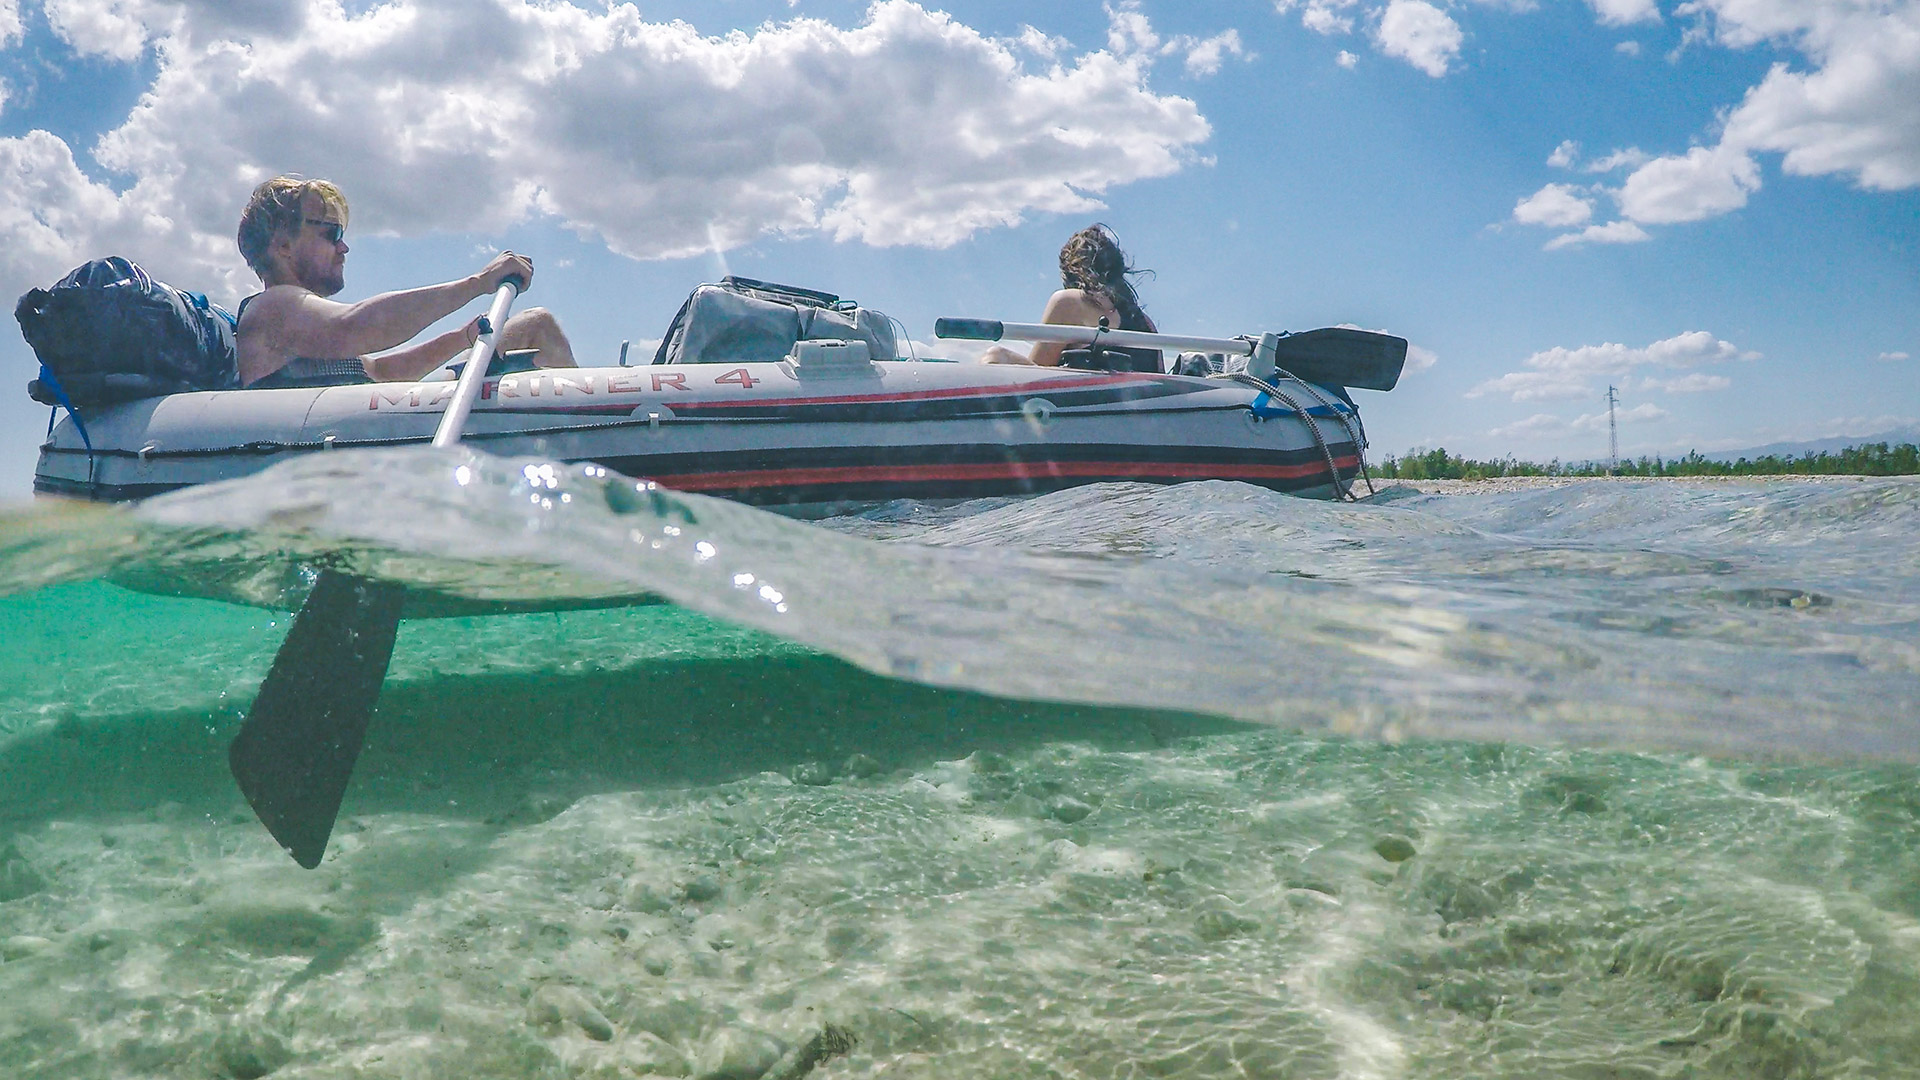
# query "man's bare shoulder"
(278, 302)
(278, 324)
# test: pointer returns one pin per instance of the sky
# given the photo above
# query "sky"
(1711, 206)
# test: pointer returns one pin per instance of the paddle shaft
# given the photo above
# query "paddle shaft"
(454, 421)
(294, 755)
(1333, 355)
(995, 330)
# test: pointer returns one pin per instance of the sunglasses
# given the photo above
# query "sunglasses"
(332, 230)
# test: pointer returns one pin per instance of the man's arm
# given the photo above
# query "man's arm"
(414, 361)
(291, 321)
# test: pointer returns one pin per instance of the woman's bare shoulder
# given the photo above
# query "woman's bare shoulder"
(1078, 306)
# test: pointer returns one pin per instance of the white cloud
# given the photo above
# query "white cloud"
(1324, 18)
(1557, 206)
(1561, 372)
(1128, 30)
(1533, 427)
(1893, 356)
(115, 29)
(1541, 425)
(52, 217)
(1697, 383)
(1347, 60)
(1613, 232)
(11, 29)
(1854, 115)
(1628, 48)
(1321, 16)
(1564, 206)
(1847, 110)
(1625, 12)
(1702, 183)
(910, 128)
(1629, 157)
(1041, 44)
(1420, 34)
(1204, 55)
(1535, 386)
(1639, 414)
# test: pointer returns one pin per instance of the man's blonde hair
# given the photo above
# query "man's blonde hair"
(276, 208)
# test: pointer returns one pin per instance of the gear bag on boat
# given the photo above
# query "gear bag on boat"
(108, 332)
(743, 321)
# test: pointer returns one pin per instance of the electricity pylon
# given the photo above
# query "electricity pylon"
(1613, 431)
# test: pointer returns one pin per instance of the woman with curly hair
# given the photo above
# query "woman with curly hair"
(1094, 288)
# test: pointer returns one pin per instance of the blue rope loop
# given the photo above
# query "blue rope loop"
(60, 393)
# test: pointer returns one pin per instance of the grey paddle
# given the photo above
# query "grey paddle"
(296, 750)
(1334, 356)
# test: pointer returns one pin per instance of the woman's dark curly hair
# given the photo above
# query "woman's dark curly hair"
(1092, 260)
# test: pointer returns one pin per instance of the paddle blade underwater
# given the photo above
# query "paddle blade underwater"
(295, 754)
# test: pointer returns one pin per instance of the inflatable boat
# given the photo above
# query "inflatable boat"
(790, 400)
(816, 424)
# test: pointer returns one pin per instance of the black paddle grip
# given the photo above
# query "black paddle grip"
(969, 329)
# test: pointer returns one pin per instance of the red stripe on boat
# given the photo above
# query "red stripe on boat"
(999, 470)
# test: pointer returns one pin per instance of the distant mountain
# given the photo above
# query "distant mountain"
(1907, 434)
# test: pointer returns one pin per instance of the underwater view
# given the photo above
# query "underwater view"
(1582, 779)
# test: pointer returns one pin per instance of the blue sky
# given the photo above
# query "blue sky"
(1714, 206)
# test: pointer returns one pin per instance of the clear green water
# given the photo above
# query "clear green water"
(1607, 780)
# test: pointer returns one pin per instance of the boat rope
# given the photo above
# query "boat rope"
(913, 353)
(1344, 494)
(1349, 419)
(48, 380)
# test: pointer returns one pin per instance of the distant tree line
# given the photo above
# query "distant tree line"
(1872, 459)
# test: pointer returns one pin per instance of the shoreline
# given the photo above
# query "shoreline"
(1500, 484)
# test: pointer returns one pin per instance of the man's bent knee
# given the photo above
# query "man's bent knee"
(531, 324)
(536, 328)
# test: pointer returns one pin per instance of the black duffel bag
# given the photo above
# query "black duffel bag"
(107, 332)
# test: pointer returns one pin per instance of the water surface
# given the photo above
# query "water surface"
(1556, 780)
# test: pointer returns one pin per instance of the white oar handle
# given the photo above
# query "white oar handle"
(454, 420)
(994, 330)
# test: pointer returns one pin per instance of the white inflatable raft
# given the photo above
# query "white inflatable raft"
(825, 427)
(776, 435)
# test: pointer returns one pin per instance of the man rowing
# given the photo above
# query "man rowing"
(293, 235)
